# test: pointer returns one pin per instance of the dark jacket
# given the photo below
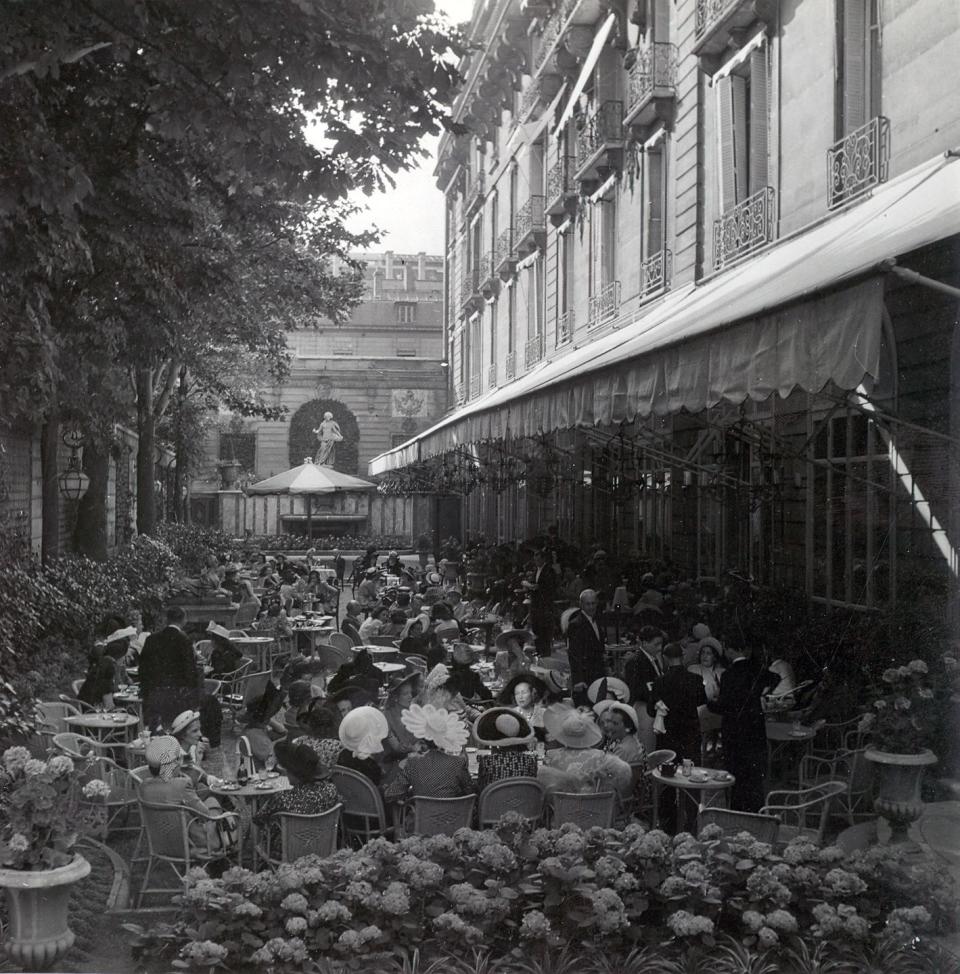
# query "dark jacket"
(467, 683)
(585, 651)
(683, 693)
(742, 685)
(170, 679)
(640, 674)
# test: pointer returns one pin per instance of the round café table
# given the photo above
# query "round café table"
(251, 794)
(106, 728)
(487, 625)
(782, 739)
(711, 793)
(257, 648)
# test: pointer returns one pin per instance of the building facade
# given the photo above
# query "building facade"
(680, 316)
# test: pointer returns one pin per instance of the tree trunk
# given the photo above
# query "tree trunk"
(50, 489)
(146, 451)
(90, 533)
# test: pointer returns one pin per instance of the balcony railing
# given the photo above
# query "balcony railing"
(565, 326)
(489, 282)
(469, 286)
(604, 304)
(528, 225)
(858, 162)
(551, 33)
(505, 256)
(476, 386)
(602, 130)
(652, 75)
(492, 375)
(718, 22)
(744, 228)
(511, 366)
(533, 351)
(710, 13)
(655, 273)
(561, 185)
(475, 193)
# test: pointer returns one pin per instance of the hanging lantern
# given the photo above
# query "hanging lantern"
(73, 482)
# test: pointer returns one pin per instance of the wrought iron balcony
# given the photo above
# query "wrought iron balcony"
(652, 85)
(492, 375)
(655, 273)
(489, 281)
(470, 289)
(511, 366)
(744, 228)
(505, 255)
(604, 305)
(474, 195)
(533, 351)
(600, 141)
(538, 94)
(858, 162)
(718, 22)
(476, 386)
(561, 190)
(528, 226)
(565, 325)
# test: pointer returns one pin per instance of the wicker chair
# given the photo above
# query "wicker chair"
(795, 808)
(168, 842)
(123, 797)
(524, 796)
(831, 737)
(390, 641)
(231, 689)
(203, 647)
(73, 745)
(763, 827)
(585, 810)
(344, 642)
(51, 716)
(415, 663)
(247, 760)
(303, 835)
(850, 766)
(442, 816)
(364, 816)
(80, 706)
(332, 657)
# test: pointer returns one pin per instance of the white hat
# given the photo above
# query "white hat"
(615, 686)
(362, 731)
(602, 706)
(182, 721)
(137, 642)
(218, 630)
(128, 633)
(572, 728)
(428, 723)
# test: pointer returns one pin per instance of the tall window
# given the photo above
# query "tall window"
(565, 255)
(406, 312)
(654, 196)
(511, 318)
(603, 242)
(743, 115)
(857, 64)
(492, 343)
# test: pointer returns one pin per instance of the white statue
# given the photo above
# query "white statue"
(329, 435)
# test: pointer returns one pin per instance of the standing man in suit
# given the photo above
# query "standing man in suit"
(543, 592)
(585, 647)
(678, 693)
(170, 680)
(743, 730)
(640, 672)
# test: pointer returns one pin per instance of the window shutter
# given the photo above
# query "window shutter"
(741, 162)
(854, 65)
(728, 185)
(609, 241)
(654, 228)
(759, 119)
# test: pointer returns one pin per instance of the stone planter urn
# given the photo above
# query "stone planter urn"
(229, 473)
(38, 903)
(898, 787)
(476, 583)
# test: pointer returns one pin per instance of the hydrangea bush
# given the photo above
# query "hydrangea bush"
(517, 893)
(903, 716)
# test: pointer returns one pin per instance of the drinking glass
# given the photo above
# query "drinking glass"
(231, 765)
(686, 768)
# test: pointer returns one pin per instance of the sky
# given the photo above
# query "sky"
(412, 214)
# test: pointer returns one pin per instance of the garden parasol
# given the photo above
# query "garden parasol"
(309, 479)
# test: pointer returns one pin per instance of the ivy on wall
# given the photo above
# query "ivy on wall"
(303, 443)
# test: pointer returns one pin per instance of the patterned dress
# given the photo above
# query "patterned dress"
(503, 764)
(432, 775)
(310, 798)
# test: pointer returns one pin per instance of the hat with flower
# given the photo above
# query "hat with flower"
(362, 731)
(571, 728)
(502, 727)
(438, 677)
(437, 725)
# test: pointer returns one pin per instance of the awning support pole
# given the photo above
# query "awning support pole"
(890, 266)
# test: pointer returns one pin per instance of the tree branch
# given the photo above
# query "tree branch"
(163, 400)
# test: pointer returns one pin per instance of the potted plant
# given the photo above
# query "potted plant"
(899, 728)
(44, 808)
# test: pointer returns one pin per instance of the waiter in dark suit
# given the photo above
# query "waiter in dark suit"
(170, 680)
(585, 647)
(743, 730)
(640, 671)
(543, 592)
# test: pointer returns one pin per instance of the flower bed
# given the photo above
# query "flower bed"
(518, 894)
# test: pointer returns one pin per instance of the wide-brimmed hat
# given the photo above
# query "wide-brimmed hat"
(357, 695)
(602, 706)
(438, 725)
(299, 760)
(608, 684)
(412, 680)
(137, 642)
(433, 578)
(509, 636)
(182, 721)
(422, 618)
(700, 631)
(362, 731)
(571, 728)
(714, 644)
(128, 632)
(217, 630)
(536, 684)
(556, 681)
(502, 727)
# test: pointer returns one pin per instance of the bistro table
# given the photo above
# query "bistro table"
(711, 792)
(315, 630)
(783, 737)
(487, 625)
(257, 648)
(251, 794)
(106, 728)
(128, 696)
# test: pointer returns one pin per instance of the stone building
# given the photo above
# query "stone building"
(682, 297)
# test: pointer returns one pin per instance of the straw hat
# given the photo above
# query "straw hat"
(182, 721)
(437, 725)
(608, 684)
(571, 728)
(502, 727)
(126, 633)
(602, 706)
(555, 680)
(714, 644)
(507, 638)
(362, 731)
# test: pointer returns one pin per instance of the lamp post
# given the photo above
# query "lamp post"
(73, 482)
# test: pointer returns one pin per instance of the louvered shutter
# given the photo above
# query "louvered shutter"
(728, 184)
(759, 118)
(854, 65)
(741, 162)
(654, 241)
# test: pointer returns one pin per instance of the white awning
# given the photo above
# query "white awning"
(778, 321)
(592, 57)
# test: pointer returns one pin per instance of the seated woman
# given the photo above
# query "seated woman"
(578, 765)
(525, 693)
(463, 677)
(274, 619)
(619, 724)
(359, 672)
(299, 695)
(709, 666)
(396, 620)
(254, 722)
(400, 742)
(444, 625)
(374, 623)
(509, 735)
(362, 732)
(441, 771)
(168, 785)
(308, 772)
(320, 722)
(225, 657)
(416, 637)
(510, 658)
(100, 682)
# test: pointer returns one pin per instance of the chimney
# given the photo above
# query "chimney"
(422, 266)
(388, 261)
(410, 277)
(377, 282)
